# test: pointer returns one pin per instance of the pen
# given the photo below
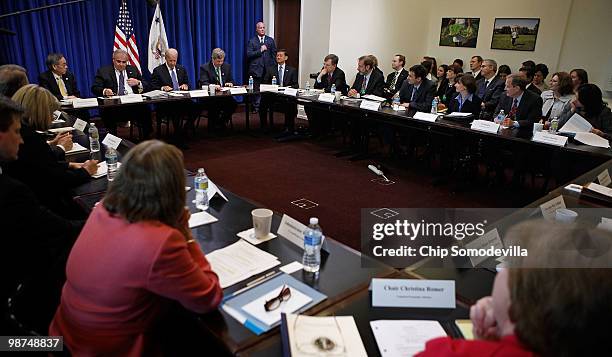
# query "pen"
(252, 283)
(261, 278)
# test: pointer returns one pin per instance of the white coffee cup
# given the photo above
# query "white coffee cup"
(262, 221)
(565, 215)
(211, 89)
(537, 127)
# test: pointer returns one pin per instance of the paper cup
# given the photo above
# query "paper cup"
(211, 89)
(262, 221)
(565, 215)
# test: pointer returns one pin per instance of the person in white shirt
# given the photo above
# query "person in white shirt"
(558, 97)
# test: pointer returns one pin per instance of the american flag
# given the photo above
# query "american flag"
(124, 36)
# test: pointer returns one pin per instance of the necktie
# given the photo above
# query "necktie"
(121, 90)
(486, 84)
(175, 84)
(394, 81)
(482, 89)
(219, 76)
(281, 71)
(364, 85)
(460, 99)
(261, 40)
(62, 87)
(414, 89)
(329, 78)
(514, 108)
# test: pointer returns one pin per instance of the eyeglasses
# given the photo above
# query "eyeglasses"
(329, 342)
(275, 303)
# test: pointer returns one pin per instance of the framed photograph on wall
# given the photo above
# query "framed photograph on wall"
(515, 34)
(459, 31)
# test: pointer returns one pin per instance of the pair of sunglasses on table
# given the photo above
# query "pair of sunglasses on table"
(275, 303)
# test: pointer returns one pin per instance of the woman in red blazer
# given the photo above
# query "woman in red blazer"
(134, 255)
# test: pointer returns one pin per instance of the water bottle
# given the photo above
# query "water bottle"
(111, 163)
(333, 89)
(250, 86)
(554, 125)
(500, 117)
(313, 234)
(201, 189)
(434, 106)
(307, 86)
(273, 80)
(94, 138)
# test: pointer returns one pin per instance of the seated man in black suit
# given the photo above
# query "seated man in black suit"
(121, 79)
(330, 74)
(490, 88)
(286, 76)
(57, 79)
(529, 73)
(417, 92)
(368, 80)
(522, 107)
(42, 239)
(218, 73)
(396, 78)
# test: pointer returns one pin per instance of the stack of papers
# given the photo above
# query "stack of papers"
(102, 169)
(397, 338)
(576, 124)
(374, 98)
(240, 261)
(76, 148)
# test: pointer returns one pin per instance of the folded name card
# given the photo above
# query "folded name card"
(413, 293)
(547, 138)
(604, 178)
(130, 98)
(327, 97)
(291, 91)
(369, 105)
(430, 117)
(268, 88)
(486, 126)
(80, 124)
(85, 103)
(238, 90)
(198, 93)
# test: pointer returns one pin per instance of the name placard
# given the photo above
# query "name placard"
(430, 117)
(327, 97)
(291, 91)
(85, 103)
(268, 88)
(111, 141)
(130, 98)
(79, 124)
(486, 126)
(413, 293)
(198, 93)
(604, 178)
(369, 105)
(238, 90)
(292, 230)
(550, 139)
(549, 209)
(491, 238)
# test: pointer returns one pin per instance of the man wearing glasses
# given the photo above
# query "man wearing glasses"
(57, 79)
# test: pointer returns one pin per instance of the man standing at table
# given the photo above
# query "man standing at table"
(57, 79)
(286, 76)
(261, 51)
(121, 79)
(218, 73)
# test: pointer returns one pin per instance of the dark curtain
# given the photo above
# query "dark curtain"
(84, 34)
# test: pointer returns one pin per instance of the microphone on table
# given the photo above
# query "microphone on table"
(375, 170)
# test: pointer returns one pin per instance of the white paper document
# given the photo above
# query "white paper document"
(576, 124)
(592, 139)
(374, 98)
(61, 130)
(430, 117)
(238, 90)
(458, 114)
(239, 261)
(214, 190)
(403, 338)
(102, 169)
(268, 88)
(257, 310)
(76, 148)
(341, 330)
(198, 93)
(200, 219)
(602, 190)
(80, 125)
(85, 102)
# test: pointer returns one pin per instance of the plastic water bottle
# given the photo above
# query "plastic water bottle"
(273, 80)
(332, 90)
(250, 86)
(307, 86)
(111, 163)
(201, 189)
(500, 117)
(311, 259)
(434, 106)
(94, 138)
(554, 125)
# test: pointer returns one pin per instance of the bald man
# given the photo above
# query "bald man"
(170, 75)
(261, 54)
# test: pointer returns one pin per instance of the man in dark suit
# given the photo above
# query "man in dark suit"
(489, 88)
(261, 54)
(218, 73)
(42, 237)
(529, 73)
(330, 74)
(522, 107)
(417, 92)
(368, 80)
(57, 79)
(396, 78)
(286, 76)
(475, 65)
(121, 79)
(170, 75)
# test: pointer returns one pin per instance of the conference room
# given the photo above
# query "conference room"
(305, 177)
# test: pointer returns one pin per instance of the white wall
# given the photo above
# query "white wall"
(314, 39)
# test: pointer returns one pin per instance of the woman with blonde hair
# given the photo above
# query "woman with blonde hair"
(134, 256)
(37, 165)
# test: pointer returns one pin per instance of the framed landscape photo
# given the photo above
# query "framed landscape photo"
(515, 34)
(459, 31)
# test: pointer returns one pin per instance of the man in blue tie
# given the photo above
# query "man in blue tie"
(286, 76)
(417, 92)
(170, 75)
(261, 51)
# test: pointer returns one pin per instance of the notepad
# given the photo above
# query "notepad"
(76, 148)
(103, 169)
(400, 338)
(200, 219)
